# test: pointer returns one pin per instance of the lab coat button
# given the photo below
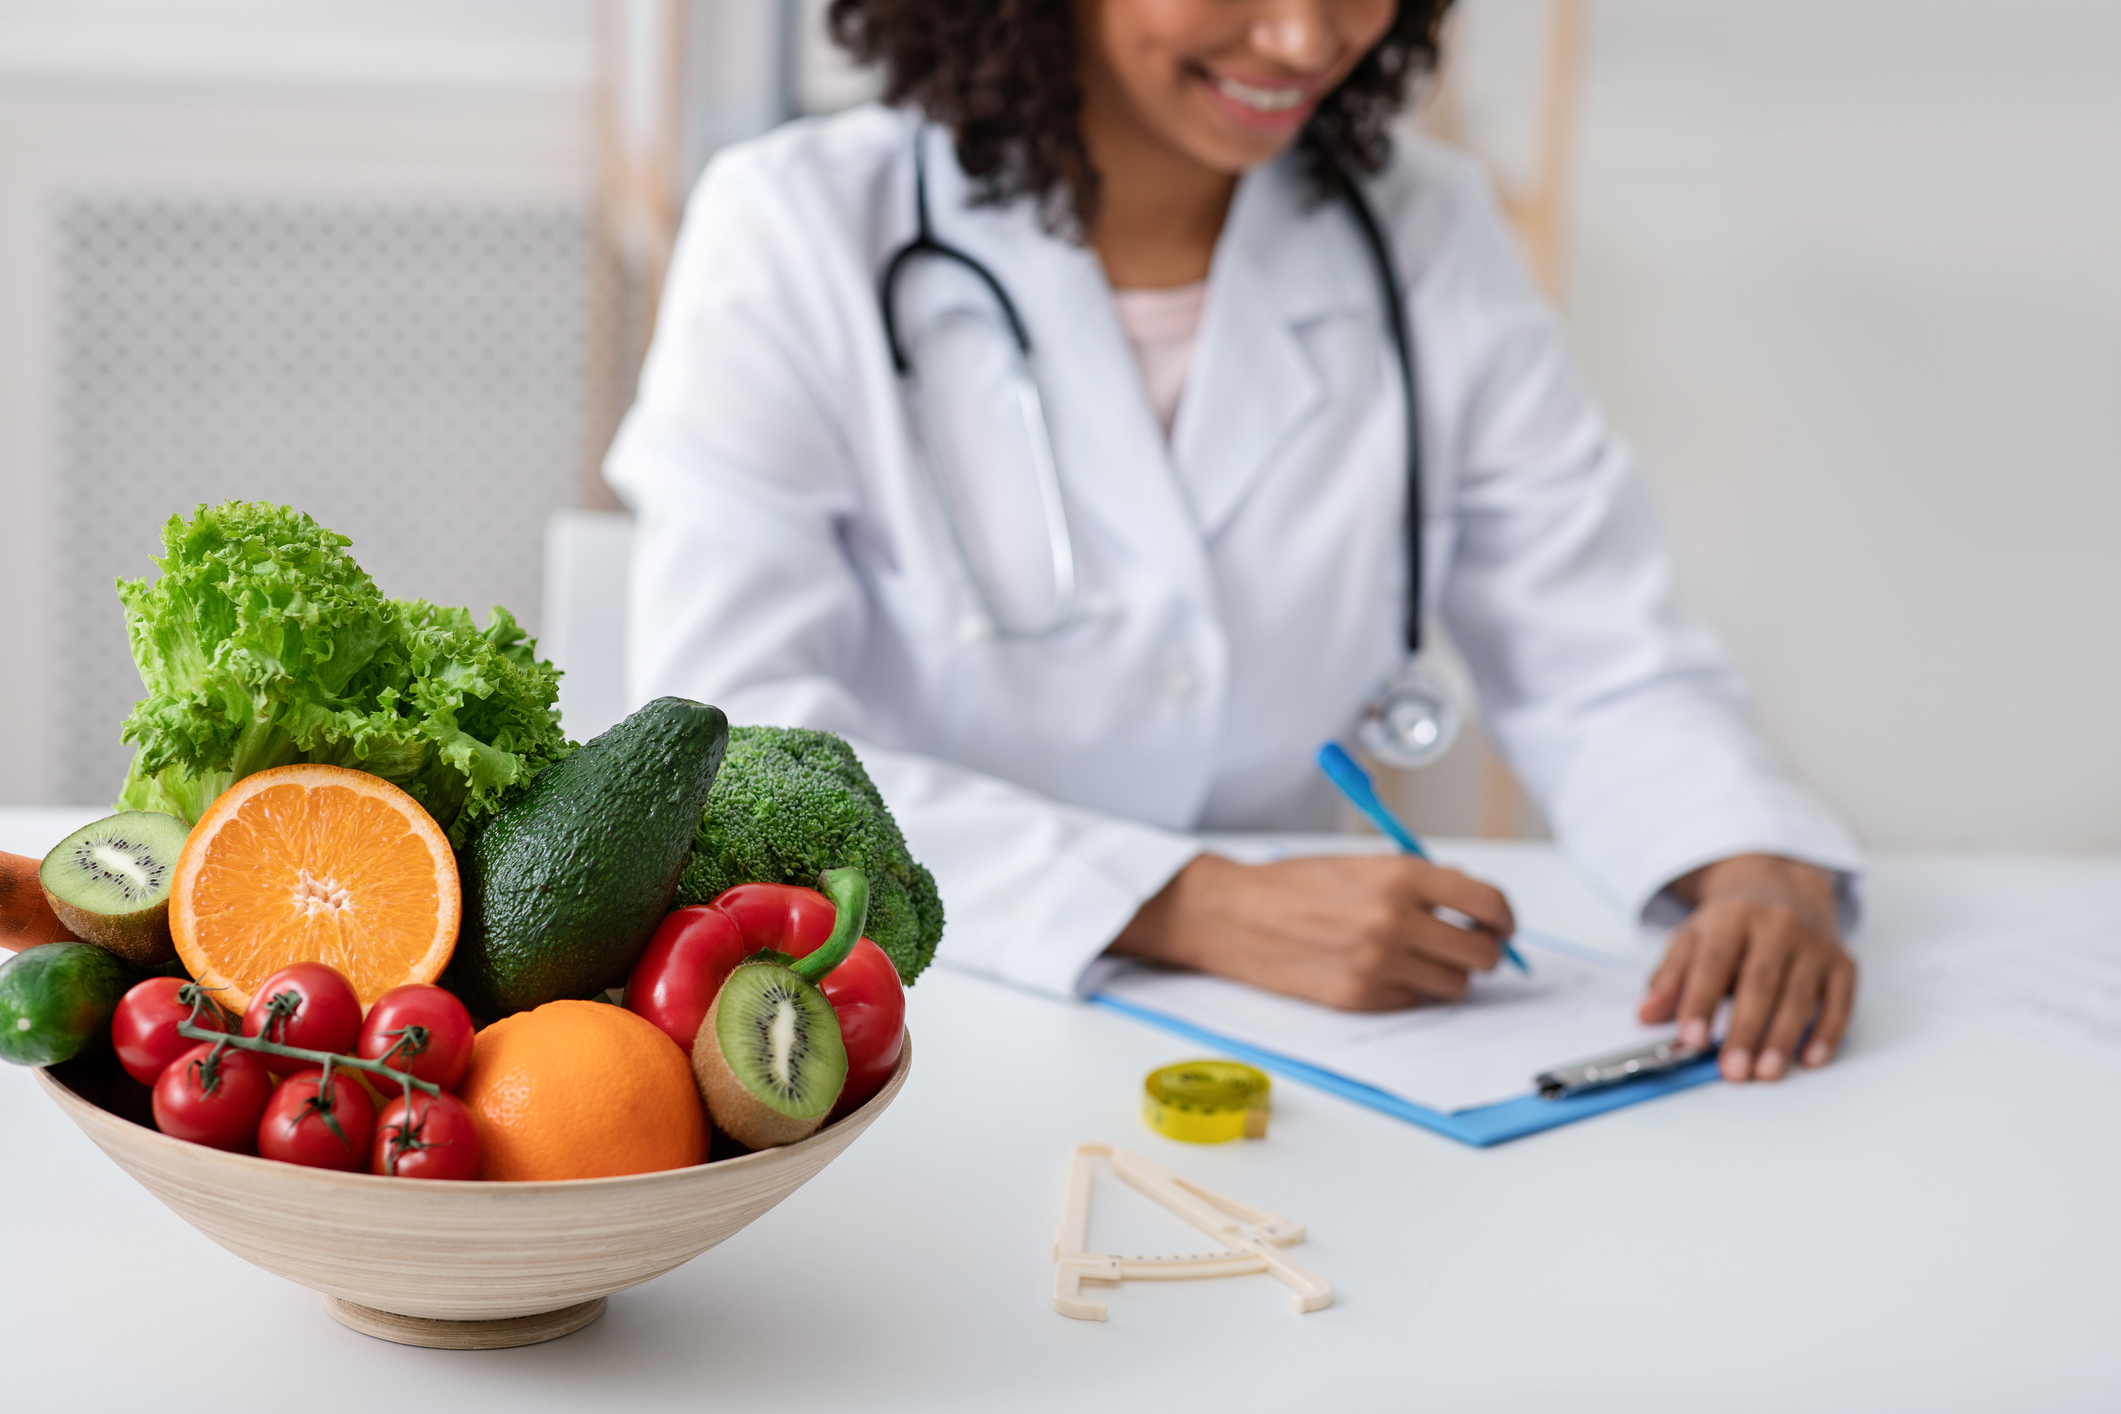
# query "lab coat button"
(1180, 681)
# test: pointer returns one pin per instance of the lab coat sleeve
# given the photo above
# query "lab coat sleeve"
(745, 485)
(1621, 713)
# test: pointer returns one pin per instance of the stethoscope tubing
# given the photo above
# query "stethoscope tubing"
(1403, 345)
(1061, 540)
(925, 243)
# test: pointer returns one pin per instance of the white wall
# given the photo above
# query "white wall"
(1846, 273)
(360, 102)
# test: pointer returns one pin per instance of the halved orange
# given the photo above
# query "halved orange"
(315, 864)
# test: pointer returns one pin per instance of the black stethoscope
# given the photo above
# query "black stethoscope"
(1412, 719)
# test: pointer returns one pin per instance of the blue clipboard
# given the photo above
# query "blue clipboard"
(1483, 1127)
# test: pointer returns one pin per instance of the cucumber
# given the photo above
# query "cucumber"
(56, 1000)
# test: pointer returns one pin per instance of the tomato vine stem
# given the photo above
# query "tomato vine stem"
(327, 1059)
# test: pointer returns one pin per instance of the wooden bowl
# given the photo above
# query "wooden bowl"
(457, 1265)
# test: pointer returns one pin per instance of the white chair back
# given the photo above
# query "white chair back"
(586, 554)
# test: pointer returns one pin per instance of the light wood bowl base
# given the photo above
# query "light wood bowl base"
(465, 1266)
(464, 1335)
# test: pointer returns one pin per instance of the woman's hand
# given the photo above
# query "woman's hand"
(1352, 931)
(1763, 931)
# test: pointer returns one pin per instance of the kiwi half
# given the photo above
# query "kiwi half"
(769, 1059)
(109, 883)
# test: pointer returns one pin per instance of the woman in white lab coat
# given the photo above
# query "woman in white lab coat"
(1152, 184)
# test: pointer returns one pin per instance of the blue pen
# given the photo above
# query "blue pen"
(1354, 782)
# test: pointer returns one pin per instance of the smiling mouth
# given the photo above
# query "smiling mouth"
(1263, 100)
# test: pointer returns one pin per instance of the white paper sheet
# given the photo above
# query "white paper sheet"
(2067, 980)
(1576, 1004)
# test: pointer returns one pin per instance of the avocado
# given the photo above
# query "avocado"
(566, 884)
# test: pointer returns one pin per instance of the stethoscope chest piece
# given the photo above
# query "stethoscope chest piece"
(1412, 721)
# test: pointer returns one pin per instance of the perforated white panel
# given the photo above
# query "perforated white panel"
(414, 376)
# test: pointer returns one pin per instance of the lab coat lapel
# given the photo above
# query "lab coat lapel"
(1115, 469)
(1116, 460)
(1284, 262)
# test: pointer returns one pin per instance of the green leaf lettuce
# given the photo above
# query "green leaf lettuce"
(263, 643)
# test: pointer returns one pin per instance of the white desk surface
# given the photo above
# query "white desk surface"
(1929, 1224)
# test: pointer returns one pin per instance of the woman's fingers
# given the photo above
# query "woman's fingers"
(1834, 1012)
(1422, 958)
(1770, 946)
(1438, 887)
(1463, 949)
(1381, 972)
(1719, 944)
(1661, 1001)
(1763, 929)
(1358, 932)
(1802, 990)
(1414, 979)
(1404, 953)
(1781, 975)
(1471, 939)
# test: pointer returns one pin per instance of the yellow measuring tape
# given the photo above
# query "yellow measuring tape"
(1206, 1101)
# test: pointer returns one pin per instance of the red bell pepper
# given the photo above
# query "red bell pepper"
(695, 949)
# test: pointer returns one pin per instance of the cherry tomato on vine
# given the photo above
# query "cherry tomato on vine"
(144, 1027)
(435, 1026)
(428, 1136)
(695, 949)
(213, 1101)
(305, 1125)
(308, 1005)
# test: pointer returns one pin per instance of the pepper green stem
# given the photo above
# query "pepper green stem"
(849, 891)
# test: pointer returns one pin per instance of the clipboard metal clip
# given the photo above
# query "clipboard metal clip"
(1618, 1067)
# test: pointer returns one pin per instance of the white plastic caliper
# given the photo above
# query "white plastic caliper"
(1252, 1238)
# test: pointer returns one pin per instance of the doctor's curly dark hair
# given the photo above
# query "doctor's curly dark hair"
(1001, 75)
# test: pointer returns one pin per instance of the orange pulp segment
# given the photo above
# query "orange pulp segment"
(312, 863)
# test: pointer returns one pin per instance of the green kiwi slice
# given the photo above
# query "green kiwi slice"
(109, 883)
(770, 1060)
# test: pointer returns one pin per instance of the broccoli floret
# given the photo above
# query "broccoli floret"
(790, 803)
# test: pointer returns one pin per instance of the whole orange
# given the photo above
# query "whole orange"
(582, 1090)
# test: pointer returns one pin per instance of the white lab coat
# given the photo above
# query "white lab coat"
(791, 566)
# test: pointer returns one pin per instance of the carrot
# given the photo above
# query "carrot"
(26, 917)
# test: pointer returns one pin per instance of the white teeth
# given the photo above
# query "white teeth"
(1266, 100)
